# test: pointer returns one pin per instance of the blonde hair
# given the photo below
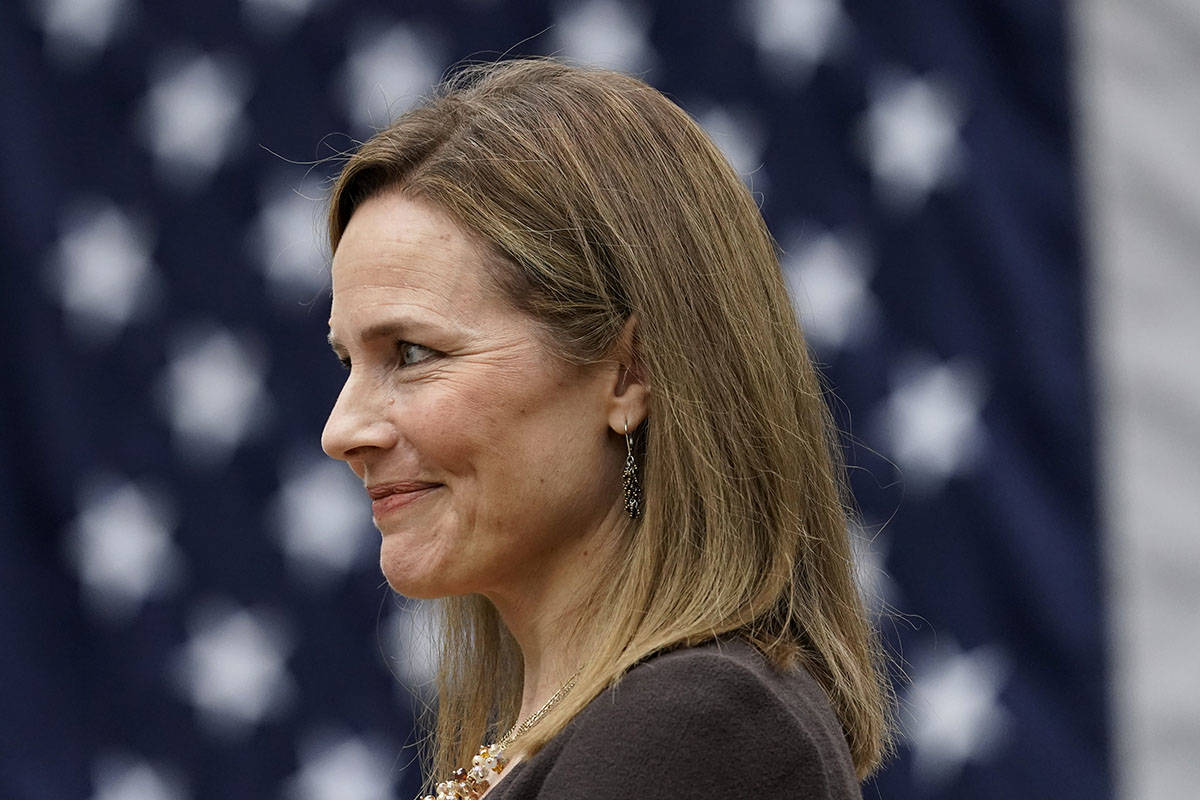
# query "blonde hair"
(602, 199)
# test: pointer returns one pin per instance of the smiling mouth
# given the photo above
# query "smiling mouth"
(389, 498)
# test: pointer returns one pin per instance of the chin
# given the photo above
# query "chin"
(417, 586)
(414, 593)
(407, 576)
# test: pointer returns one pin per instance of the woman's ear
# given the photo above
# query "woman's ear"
(628, 403)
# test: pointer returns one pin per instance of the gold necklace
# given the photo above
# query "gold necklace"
(469, 784)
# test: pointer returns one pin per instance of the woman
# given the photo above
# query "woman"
(585, 415)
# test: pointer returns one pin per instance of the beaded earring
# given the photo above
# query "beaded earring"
(633, 485)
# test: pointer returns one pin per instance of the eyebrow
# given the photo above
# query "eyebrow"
(382, 330)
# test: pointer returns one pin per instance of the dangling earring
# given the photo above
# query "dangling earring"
(633, 485)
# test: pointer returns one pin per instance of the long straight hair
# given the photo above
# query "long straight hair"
(601, 199)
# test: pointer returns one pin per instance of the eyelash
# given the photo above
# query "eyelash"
(401, 347)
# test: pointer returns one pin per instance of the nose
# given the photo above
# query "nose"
(358, 425)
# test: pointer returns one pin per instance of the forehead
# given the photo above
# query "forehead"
(400, 252)
(391, 235)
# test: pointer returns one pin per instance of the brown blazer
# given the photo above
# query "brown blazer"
(715, 721)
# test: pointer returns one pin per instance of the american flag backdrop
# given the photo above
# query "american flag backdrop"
(190, 601)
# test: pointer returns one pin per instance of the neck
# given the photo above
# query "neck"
(542, 625)
(549, 663)
(543, 613)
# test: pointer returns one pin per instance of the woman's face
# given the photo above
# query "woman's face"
(489, 461)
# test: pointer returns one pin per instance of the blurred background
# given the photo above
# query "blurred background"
(989, 222)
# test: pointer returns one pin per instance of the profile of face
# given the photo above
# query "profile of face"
(490, 462)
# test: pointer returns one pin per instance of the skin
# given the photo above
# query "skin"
(449, 385)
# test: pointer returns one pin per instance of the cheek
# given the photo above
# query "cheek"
(555, 454)
(520, 451)
(461, 428)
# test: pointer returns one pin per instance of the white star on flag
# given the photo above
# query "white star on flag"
(876, 587)
(741, 138)
(411, 643)
(344, 767)
(276, 17)
(955, 715)
(213, 394)
(931, 421)
(79, 30)
(910, 138)
(286, 240)
(121, 776)
(828, 276)
(388, 70)
(793, 36)
(322, 519)
(605, 33)
(101, 270)
(233, 669)
(192, 117)
(120, 546)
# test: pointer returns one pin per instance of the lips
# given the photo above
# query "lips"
(388, 497)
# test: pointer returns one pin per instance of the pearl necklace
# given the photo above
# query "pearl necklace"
(489, 762)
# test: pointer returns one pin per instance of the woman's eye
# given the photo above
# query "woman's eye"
(413, 353)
